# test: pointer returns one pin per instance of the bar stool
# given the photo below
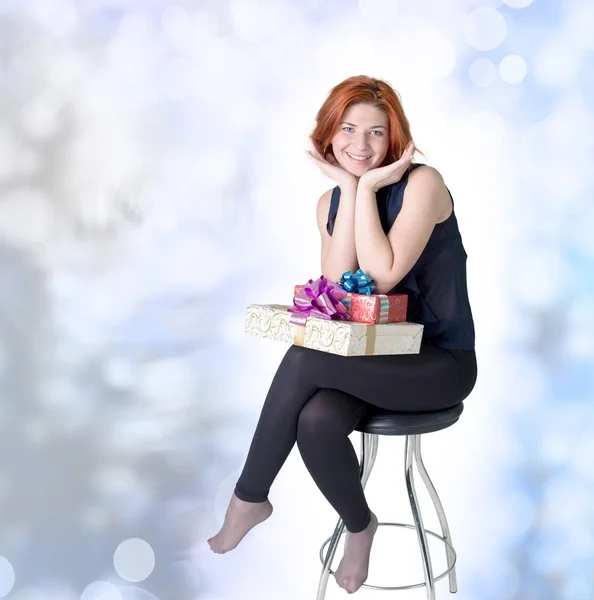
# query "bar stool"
(412, 425)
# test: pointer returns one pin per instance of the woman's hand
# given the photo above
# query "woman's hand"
(383, 176)
(331, 168)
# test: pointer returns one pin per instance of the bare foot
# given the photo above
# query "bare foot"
(352, 570)
(239, 519)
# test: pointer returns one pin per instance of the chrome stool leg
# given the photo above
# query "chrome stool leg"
(445, 530)
(409, 453)
(369, 442)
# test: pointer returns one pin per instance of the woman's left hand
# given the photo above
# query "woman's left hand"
(383, 176)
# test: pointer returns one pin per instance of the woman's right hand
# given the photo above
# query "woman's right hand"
(330, 167)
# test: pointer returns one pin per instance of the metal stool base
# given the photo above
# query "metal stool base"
(401, 587)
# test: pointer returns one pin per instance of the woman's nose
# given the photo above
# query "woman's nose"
(361, 143)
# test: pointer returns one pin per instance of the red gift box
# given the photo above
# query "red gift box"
(375, 308)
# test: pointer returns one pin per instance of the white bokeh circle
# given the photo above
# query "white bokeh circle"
(134, 560)
(370, 9)
(513, 68)
(557, 64)
(517, 3)
(482, 72)
(7, 577)
(485, 28)
(101, 590)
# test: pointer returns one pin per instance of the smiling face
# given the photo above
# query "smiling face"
(362, 142)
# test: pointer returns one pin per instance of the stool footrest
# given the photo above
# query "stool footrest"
(401, 587)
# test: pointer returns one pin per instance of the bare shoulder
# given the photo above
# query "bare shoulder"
(426, 179)
(324, 203)
(426, 176)
(326, 197)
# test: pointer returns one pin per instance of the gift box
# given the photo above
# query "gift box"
(343, 337)
(374, 308)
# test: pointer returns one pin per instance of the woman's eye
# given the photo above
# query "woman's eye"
(374, 130)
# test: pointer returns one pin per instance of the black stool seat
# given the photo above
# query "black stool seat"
(382, 421)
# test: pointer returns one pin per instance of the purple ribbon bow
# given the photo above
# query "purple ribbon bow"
(320, 298)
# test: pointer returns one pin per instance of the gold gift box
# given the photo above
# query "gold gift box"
(347, 338)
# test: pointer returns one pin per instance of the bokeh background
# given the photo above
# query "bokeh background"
(153, 182)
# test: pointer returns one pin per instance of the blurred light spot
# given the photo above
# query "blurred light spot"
(134, 560)
(65, 69)
(2, 358)
(370, 9)
(540, 275)
(554, 448)
(525, 382)
(189, 573)
(7, 5)
(579, 25)
(553, 158)
(134, 593)
(205, 24)
(517, 3)
(119, 373)
(8, 153)
(25, 205)
(517, 514)
(36, 430)
(485, 129)
(513, 69)
(28, 163)
(567, 491)
(485, 28)
(7, 577)
(95, 518)
(255, 20)
(168, 385)
(58, 17)
(579, 586)
(175, 21)
(435, 55)
(556, 64)
(31, 593)
(137, 437)
(482, 72)
(101, 590)
(580, 342)
(507, 580)
(177, 79)
(39, 116)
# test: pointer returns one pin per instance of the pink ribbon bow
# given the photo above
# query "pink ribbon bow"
(320, 298)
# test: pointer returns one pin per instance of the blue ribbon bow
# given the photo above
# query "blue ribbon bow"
(358, 283)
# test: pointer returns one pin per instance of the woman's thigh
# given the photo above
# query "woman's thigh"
(433, 379)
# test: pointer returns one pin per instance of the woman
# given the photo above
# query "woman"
(394, 220)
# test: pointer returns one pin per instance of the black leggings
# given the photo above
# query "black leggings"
(317, 399)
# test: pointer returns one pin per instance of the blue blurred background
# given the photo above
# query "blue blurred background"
(153, 182)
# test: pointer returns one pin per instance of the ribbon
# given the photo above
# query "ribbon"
(358, 283)
(320, 298)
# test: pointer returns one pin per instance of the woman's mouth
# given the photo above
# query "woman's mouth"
(359, 158)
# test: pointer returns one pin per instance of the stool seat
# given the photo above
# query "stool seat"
(381, 421)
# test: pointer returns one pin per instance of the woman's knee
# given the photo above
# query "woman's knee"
(317, 416)
(329, 411)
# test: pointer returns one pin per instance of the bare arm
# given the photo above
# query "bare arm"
(338, 251)
(387, 259)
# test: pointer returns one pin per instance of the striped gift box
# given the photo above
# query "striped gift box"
(373, 309)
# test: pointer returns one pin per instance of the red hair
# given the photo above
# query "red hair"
(367, 90)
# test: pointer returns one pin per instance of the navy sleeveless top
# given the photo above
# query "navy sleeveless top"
(436, 285)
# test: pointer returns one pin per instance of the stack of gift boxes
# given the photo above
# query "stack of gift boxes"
(345, 318)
